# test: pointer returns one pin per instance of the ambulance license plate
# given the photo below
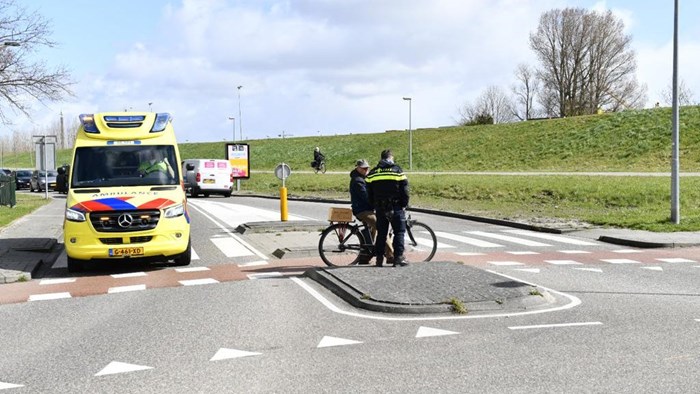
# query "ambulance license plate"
(126, 252)
(208, 181)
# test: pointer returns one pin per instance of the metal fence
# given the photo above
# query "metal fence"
(7, 190)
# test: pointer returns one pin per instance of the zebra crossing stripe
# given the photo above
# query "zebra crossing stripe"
(552, 237)
(508, 238)
(563, 262)
(467, 240)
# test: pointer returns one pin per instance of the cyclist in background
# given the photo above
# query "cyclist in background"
(318, 158)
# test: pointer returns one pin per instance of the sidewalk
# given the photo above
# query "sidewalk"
(420, 288)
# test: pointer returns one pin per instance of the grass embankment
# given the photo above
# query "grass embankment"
(631, 141)
(26, 203)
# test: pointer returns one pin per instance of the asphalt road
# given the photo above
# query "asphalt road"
(635, 329)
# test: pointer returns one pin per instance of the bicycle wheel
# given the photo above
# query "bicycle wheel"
(323, 168)
(340, 245)
(420, 242)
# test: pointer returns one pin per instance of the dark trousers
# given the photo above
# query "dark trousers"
(397, 218)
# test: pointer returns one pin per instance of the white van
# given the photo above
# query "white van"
(208, 176)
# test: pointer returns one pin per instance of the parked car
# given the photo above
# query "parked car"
(22, 179)
(39, 179)
(6, 171)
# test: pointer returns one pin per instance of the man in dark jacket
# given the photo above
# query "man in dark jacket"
(387, 189)
(362, 208)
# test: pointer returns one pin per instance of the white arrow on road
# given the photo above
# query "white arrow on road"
(119, 367)
(432, 332)
(333, 341)
(224, 354)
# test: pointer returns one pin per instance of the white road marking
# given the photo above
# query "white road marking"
(119, 367)
(333, 341)
(677, 260)
(264, 275)
(656, 268)
(574, 251)
(129, 275)
(590, 269)
(56, 281)
(4, 385)
(508, 238)
(531, 270)
(432, 332)
(49, 296)
(563, 262)
(227, 231)
(225, 354)
(196, 282)
(552, 237)
(623, 251)
(192, 269)
(231, 247)
(470, 253)
(504, 263)
(123, 289)
(253, 263)
(467, 240)
(195, 256)
(573, 302)
(620, 261)
(523, 253)
(429, 242)
(594, 323)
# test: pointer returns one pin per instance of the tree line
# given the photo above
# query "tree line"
(585, 65)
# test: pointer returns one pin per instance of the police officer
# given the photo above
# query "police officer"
(387, 188)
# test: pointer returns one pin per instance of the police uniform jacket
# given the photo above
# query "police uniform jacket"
(387, 185)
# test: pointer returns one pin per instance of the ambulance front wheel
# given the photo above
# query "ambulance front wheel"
(186, 257)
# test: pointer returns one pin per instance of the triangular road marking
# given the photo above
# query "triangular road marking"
(224, 354)
(333, 341)
(432, 332)
(533, 270)
(589, 269)
(9, 386)
(119, 367)
(653, 268)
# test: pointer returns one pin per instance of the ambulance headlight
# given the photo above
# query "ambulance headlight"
(74, 216)
(175, 211)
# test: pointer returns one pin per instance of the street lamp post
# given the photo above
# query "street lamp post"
(675, 167)
(3, 46)
(234, 128)
(150, 109)
(240, 118)
(410, 135)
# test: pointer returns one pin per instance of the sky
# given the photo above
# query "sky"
(318, 67)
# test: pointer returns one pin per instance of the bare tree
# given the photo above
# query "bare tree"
(23, 79)
(586, 62)
(492, 104)
(525, 90)
(685, 95)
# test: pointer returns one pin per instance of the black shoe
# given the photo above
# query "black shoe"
(400, 262)
(380, 261)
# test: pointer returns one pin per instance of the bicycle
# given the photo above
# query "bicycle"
(320, 167)
(343, 242)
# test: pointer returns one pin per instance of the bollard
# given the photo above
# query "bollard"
(283, 204)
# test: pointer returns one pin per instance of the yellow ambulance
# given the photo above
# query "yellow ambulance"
(126, 198)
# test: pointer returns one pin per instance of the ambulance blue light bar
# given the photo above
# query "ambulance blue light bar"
(124, 121)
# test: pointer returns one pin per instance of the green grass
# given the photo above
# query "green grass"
(26, 203)
(630, 141)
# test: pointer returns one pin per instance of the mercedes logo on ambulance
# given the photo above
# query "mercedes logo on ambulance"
(125, 220)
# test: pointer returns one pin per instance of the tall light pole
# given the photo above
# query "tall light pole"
(150, 109)
(240, 118)
(410, 135)
(3, 46)
(675, 180)
(234, 128)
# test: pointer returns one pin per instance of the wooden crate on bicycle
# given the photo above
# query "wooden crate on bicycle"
(340, 215)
